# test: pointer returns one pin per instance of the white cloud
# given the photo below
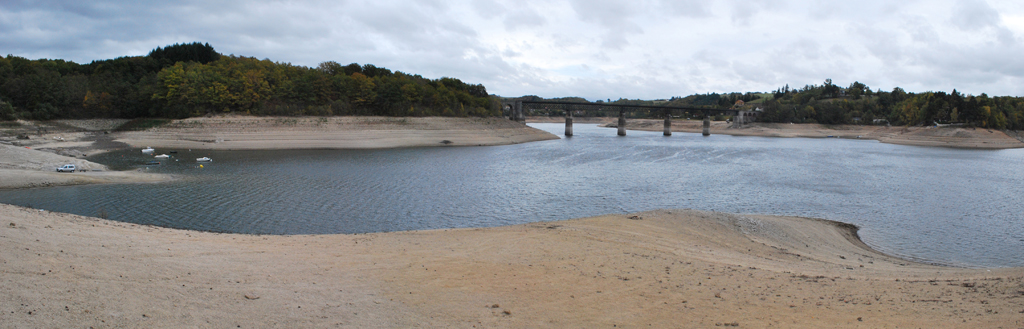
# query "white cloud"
(973, 15)
(595, 49)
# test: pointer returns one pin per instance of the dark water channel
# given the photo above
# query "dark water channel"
(950, 206)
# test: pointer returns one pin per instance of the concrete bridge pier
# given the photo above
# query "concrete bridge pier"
(568, 123)
(622, 122)
(668, 122)
(520, 115)
(707, 124)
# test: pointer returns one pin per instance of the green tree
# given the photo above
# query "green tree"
(6, 111)
(361, 90)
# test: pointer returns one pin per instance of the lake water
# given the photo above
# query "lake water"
(948, 206)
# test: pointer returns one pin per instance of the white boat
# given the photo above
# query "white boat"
(162, 156)
(203, 159)
(147, 150)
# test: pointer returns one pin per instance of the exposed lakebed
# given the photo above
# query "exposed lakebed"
(949, 206)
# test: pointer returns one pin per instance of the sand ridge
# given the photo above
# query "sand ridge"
(664, 269)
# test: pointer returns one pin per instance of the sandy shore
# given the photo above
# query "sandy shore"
(22, 167)
(32, 162)
(263, 133)
(662, 269)
(975, 138)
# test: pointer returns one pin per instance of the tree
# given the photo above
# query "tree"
(372, 71)
(331, 68)
(353, 68)
(361, 90)
(6, 111)
(192, 52)
(857, 89)
(97, 104)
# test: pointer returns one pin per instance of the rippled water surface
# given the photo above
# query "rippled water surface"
(951, 206)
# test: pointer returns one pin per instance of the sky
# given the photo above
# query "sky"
(596, 49)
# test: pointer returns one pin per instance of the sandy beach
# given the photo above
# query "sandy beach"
(662, 269)
(974, 138)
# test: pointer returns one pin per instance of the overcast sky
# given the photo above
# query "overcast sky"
(596, 49)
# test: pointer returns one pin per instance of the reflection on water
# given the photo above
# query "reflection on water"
(950, 206)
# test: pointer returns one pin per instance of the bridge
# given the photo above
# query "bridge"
(517, 111)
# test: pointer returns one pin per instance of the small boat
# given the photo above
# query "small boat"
(147, 150)
(173, 152)
(204, 159)
(153, 163)
(162, 156)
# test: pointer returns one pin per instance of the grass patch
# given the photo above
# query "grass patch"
(10, 124)
(142, 124)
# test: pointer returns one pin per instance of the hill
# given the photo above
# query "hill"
(188, 80)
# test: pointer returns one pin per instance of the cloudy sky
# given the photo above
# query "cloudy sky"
(596, 49)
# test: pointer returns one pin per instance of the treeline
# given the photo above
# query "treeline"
(858, 104)
(713, 99)
(185, 80)
(829, 104)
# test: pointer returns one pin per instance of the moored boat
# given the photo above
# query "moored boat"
(162, 156)
(204, 159)
(147, 150)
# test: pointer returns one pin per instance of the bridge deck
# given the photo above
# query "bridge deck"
(624, 106)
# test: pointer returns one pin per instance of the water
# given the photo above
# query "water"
(949, 206)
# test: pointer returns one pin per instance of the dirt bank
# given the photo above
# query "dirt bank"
(662, 269)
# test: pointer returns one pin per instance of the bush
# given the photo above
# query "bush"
(6, 112)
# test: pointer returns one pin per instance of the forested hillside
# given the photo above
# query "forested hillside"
(832, 104)
(858, 104)
(185, 80)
